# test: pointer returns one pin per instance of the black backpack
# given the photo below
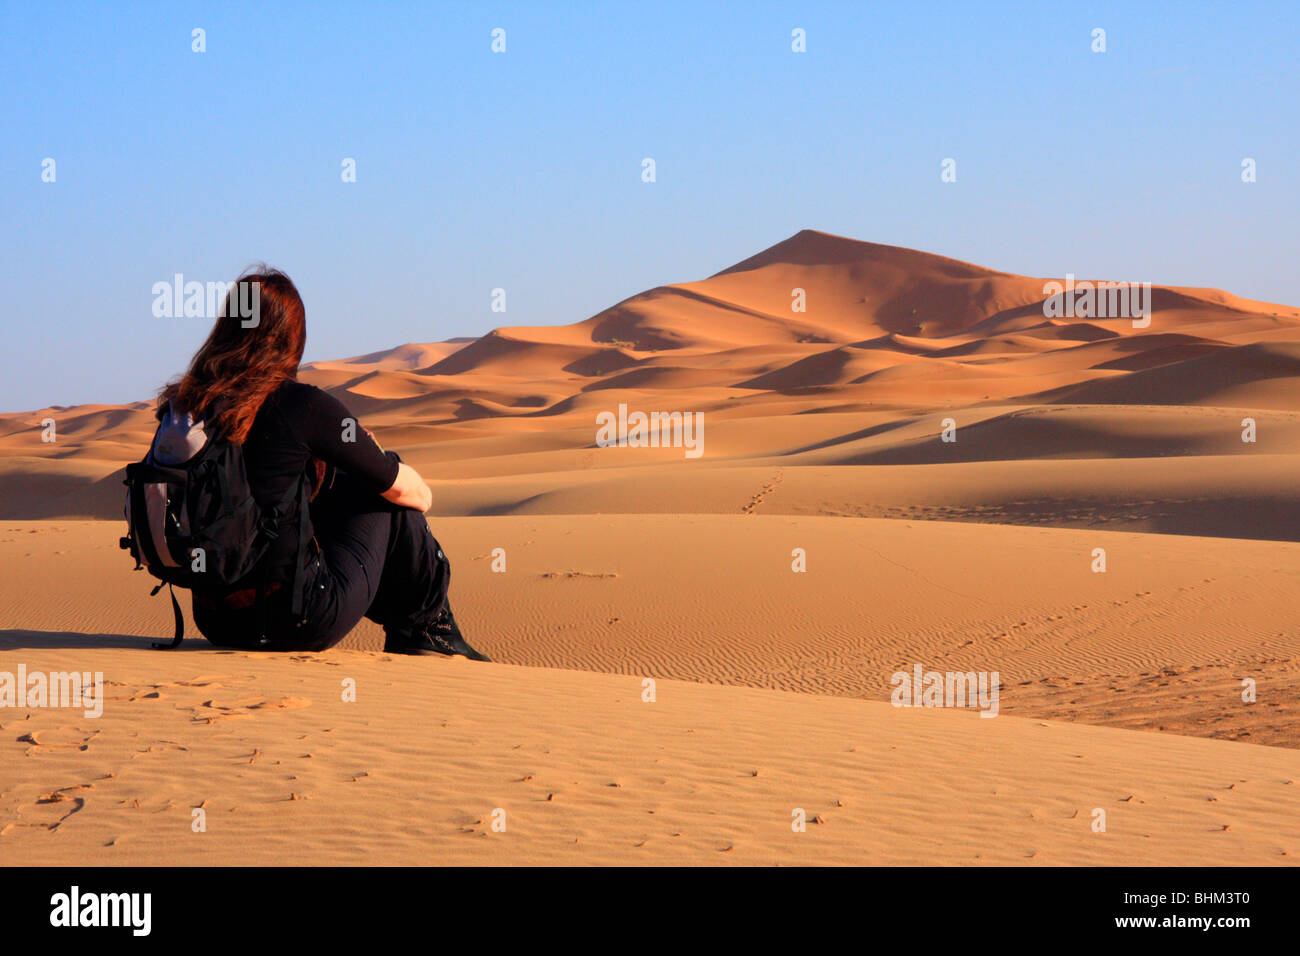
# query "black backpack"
(192, 521)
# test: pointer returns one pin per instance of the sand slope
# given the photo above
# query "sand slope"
(1161, 641)
(582, 771)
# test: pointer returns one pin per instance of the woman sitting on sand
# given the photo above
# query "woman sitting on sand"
(370, 552)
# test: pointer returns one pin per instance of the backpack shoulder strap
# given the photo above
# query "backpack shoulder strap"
(296, 581)
(178, 633)
(299, 491)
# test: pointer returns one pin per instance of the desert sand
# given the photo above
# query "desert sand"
(586, 571)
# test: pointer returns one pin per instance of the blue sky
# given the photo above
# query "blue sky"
(522, 170)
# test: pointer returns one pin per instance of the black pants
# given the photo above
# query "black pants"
(373, 559)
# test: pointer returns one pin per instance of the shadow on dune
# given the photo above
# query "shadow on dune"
(16, 640)
(37, 497)
(862, 433)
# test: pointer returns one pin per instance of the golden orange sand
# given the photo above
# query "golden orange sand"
(1120, 691)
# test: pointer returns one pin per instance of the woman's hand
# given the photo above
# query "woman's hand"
(409, 490)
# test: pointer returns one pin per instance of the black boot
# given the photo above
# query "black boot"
(442, 637)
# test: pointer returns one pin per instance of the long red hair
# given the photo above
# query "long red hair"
(243, 361)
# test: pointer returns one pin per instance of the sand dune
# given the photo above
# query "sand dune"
(411, 355)
(947, 452)
(1261, 375)
(978, 336)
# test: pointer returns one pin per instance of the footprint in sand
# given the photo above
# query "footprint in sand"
(245, 708)
(155, 691)
(49, 811)
(61, 738)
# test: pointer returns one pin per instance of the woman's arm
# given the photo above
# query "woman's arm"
(409, 490)
(333, 434)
